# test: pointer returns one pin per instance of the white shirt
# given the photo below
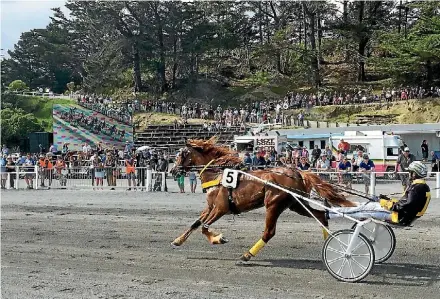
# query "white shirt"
(324, 164)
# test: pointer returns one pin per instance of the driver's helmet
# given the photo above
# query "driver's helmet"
(418, 168)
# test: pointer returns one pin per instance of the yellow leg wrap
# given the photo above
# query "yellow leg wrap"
(325, 233)
(257, 247)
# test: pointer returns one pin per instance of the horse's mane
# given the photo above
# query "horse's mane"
(222, 154)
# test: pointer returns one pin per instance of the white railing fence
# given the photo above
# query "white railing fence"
(144, 178)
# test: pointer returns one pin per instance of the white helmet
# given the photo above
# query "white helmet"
(419, 168)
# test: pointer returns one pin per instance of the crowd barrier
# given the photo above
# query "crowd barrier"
(149, 180)
(145, 179)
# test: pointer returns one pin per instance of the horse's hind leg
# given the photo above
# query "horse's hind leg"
(179, 240)
(273, 210)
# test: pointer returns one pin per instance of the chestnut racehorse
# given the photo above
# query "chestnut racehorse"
(249, 194)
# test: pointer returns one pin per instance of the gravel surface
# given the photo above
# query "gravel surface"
(116, 244)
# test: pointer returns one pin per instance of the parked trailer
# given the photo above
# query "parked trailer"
(382, 148)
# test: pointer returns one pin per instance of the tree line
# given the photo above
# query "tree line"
(160, 46)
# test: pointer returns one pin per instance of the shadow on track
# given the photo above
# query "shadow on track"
(397, 274)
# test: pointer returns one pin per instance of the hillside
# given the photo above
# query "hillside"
(413, 111)
(40, 107)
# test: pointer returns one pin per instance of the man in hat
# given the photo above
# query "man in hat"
(404, 160)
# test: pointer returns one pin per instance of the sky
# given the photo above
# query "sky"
(21, 16)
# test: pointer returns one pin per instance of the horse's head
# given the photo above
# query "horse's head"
(195, 153)
(186, 158)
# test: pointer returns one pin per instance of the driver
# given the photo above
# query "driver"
(412, 205)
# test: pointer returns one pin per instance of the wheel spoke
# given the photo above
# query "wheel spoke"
(351, 269)
(357, 247)
(335, 260)
(336, 251)
(359, 254)
(359, 265)
(342, 266)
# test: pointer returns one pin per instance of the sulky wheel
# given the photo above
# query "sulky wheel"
(351, 267)
(382, 238)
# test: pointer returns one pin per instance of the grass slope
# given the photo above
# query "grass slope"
(40, 107)
(413, 111)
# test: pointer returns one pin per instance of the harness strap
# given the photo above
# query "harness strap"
(232, 205)
(211, 184)
(206, 166)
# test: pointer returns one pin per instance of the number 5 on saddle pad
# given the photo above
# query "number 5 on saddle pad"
(230, 178)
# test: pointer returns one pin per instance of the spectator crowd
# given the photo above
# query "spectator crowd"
(95, 164)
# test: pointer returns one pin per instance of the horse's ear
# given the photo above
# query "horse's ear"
(213, 140)
(191, 143)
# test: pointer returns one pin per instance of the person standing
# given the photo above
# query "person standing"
(163, 168)
(316, 153)
(192, 180)
(3, 172)
(110, 167)
(180, 177)
(29, 164)
(434, 162)
(366, 167)
(344, 146)
(60, 167)
(10, 168)
(425, 150)
(130, 172)
(404, 160)
(140, 168)
(98, 168)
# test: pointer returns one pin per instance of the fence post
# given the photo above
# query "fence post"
(437, 184)
(149, 178)
(17, 176)
(36, 177)
(372, 183)
(163, 181)
(8, 181)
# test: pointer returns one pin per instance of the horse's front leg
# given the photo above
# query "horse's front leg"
(274, 207)
(182, 238)
(213, 237)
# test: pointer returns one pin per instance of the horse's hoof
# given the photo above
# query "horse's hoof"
(223, 240)
(219, 240)
(176, 243)
(246, 257)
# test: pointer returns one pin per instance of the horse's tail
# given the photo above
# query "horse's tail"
(325, 190)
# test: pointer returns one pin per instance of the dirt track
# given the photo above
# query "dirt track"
(84, 244)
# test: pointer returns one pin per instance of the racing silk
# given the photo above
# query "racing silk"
(414, 202)
(129, 166)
